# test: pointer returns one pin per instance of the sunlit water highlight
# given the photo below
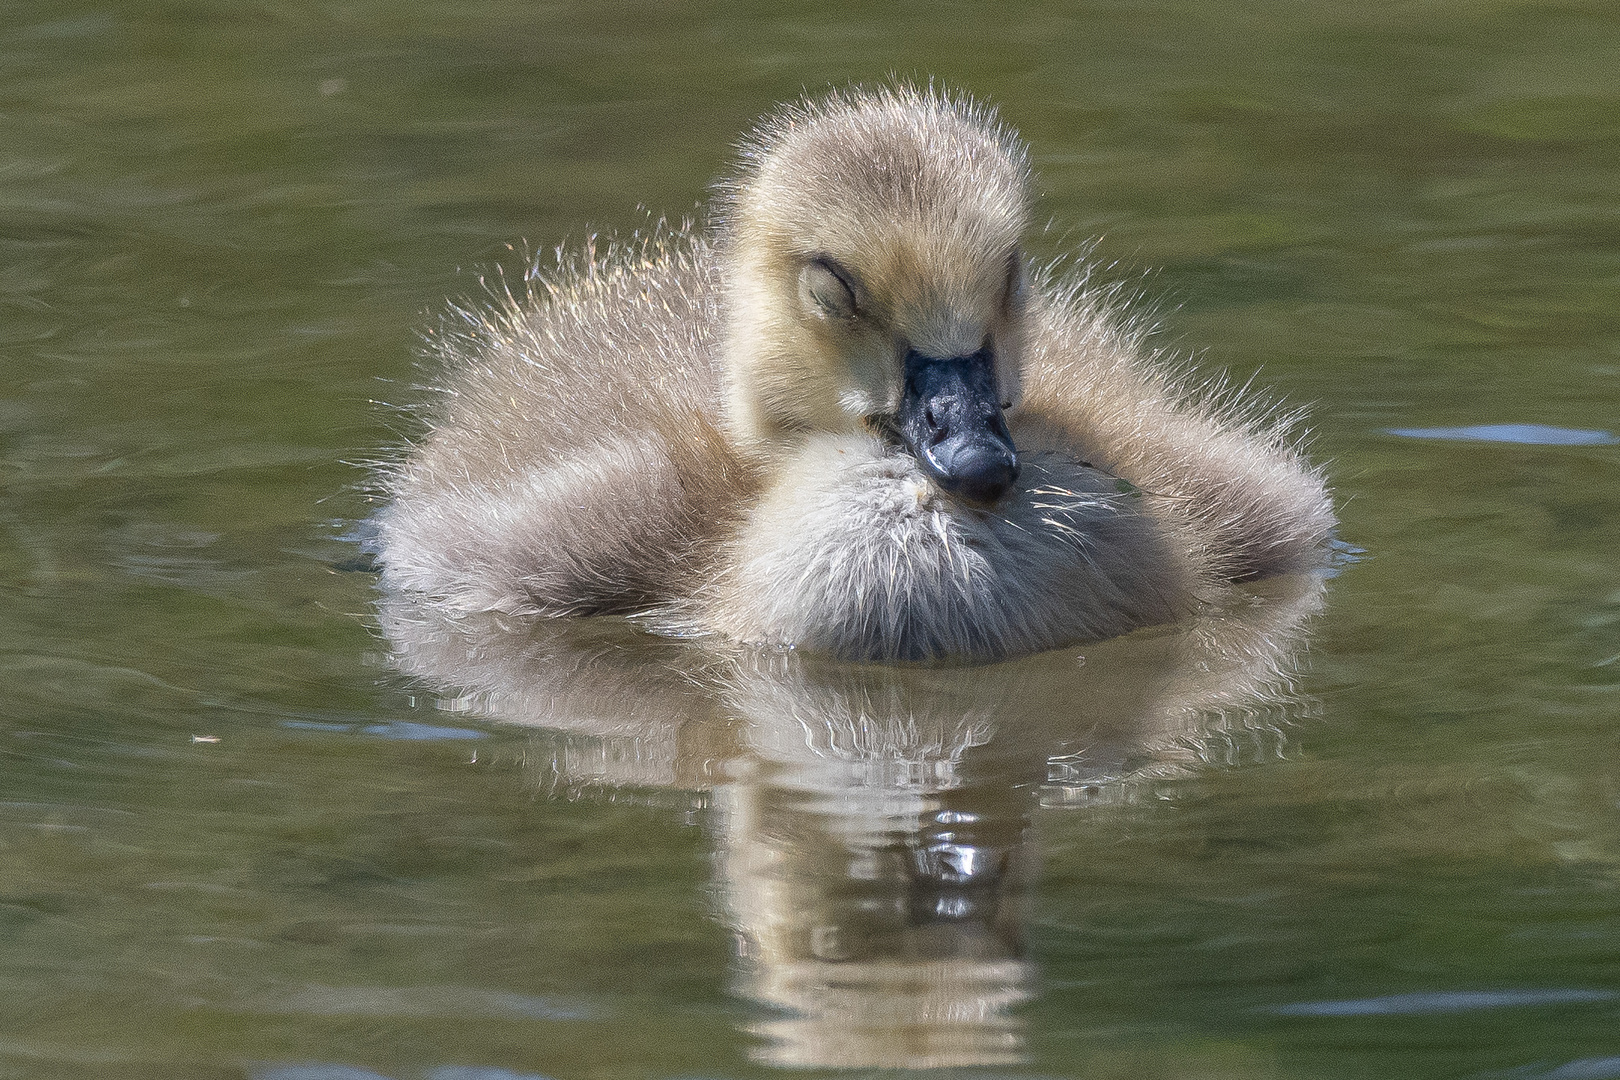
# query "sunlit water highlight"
(1527, 434)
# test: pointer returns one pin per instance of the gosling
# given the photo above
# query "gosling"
(846, 416)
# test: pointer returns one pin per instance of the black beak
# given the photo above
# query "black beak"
(950, 416)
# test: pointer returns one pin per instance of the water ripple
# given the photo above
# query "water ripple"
(1605, 1068)
(1527, 434)
(1443, 1002)
(314, 1071)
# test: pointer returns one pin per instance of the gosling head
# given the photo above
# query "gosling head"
(875, 282)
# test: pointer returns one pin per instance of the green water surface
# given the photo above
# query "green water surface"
(221, 227)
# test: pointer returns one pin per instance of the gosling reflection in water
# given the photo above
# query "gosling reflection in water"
(874, 823)
(875, 863)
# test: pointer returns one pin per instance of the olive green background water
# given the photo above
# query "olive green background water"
(221, 226)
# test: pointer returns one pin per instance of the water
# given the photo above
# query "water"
(235, 842)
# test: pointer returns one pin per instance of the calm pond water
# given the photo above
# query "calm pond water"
(251, 825)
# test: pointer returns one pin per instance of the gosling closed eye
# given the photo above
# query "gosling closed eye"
(827, 292)
(1017, 290)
